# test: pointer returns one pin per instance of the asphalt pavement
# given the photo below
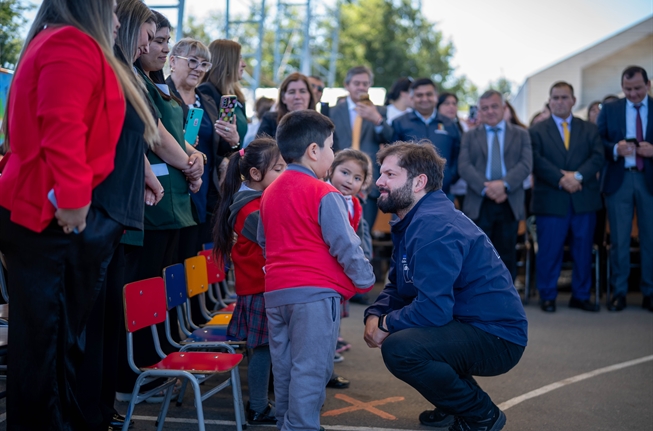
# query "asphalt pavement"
(580, 371)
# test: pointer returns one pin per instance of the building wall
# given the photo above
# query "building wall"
(603, 78)
(595, 70)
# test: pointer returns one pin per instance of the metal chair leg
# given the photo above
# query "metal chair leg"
(198, 404)
(164, 408)
(239, 409)
(132, 402)
(180, 398)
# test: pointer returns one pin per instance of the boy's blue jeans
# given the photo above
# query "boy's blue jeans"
(302, 345)
(439, 362)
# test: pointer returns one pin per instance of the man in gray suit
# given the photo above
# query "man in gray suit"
(567, 155)
(495, 159)
(374, 130)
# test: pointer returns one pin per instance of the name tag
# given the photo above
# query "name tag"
(441, 132)
(160, 169)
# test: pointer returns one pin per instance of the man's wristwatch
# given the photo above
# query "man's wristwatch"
(382, 323)
(578, 176)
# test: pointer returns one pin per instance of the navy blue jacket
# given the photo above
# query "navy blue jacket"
(612, 128)
(442, 133)
(448, 269)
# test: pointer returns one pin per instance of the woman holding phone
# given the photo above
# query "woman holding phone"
(66, 137)
(223, 80)
(190, 60)
(294, 94)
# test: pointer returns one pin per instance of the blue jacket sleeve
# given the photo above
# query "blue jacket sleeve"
(455, 151)
(396, 131)
(434, 263)
(389, 299)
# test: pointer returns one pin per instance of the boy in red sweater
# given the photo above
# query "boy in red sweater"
(313, 259)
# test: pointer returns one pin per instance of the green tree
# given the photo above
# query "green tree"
(11, 20)
(503, 85)
(391, 36)
(395, 39)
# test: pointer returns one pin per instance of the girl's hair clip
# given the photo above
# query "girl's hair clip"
(242, 152)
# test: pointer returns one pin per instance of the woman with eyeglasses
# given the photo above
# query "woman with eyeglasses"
(224, 79)
(190, 60)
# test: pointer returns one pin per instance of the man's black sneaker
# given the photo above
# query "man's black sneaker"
(435, 418)
(494, 423)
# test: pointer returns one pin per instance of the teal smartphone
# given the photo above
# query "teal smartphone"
(193, 121)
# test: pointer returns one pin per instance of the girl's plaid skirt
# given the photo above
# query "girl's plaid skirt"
(249, 322)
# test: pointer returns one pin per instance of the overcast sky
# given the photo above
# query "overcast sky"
(495, 38)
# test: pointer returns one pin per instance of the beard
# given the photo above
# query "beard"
(396, 200)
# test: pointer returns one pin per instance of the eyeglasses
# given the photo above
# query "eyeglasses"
(194, 63)
(317, 87)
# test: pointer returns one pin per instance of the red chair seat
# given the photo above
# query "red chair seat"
(198, 362)
(231, 307)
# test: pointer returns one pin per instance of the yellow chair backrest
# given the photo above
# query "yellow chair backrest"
(196, 275)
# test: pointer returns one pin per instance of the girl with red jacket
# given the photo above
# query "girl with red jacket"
(238, 213)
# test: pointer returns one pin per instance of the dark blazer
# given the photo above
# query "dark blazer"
(268, 125)
(585, 155)
(324, 108)
(612, 128)
(442, 133)
(370, 140)
(472, 163)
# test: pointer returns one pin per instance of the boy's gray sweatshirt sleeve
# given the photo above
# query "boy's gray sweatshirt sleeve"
(260, 235)
(342, 241)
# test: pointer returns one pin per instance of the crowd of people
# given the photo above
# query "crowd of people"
(100, 187)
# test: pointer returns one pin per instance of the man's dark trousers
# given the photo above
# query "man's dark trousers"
(499, 224)
(440, 361)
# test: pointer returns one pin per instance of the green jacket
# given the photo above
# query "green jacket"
(174, 211)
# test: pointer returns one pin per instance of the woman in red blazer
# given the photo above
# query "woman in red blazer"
(58, 229)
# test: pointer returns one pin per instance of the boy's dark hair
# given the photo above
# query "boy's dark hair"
(299, 129)
(261, 154)
(417, 158)
(631, 71)
(423, 81)
(357, 156)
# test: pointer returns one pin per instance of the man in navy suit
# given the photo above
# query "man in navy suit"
(626, 126)
(567, 155)
(425, 123)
